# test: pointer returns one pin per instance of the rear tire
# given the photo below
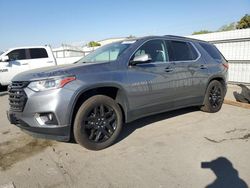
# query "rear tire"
(214, 97)
(98, 123)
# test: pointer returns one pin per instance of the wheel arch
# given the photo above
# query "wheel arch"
(114, 91)
(221, 79)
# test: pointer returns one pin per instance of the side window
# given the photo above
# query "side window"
(36, 53)
(155, 49)
(181, 51)
(17, 55)
(193, 52)
(211, 50)
(139, 52)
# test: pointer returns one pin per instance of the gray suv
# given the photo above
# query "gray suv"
(118, 83)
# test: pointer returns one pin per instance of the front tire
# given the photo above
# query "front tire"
(214, 97)
(98, 123)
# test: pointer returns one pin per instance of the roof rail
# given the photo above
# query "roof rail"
(187, 38)
(175, 36)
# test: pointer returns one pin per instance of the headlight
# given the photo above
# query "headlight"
(54, 83)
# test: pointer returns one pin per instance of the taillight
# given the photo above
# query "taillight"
(225, 65)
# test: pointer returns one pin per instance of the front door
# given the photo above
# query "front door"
(151, 85)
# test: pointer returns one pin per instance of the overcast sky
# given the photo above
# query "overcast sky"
(30, 22)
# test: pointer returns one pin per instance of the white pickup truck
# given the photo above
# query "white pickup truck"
(17, 60)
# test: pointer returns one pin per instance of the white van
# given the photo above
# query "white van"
(17, 60)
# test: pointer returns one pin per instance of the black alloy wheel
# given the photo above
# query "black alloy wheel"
(98, 122)
(214, 97)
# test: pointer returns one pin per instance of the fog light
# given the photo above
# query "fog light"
(46, 119)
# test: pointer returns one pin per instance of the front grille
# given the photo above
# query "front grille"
(17, 96)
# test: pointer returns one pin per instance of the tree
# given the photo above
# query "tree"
(93, 44)
(201, 32)
(244, 22)
(229, 27)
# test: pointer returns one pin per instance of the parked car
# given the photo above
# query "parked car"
(118, 83)
(17, 60)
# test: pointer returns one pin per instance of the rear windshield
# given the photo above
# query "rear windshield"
(107, 53)
(212, 51)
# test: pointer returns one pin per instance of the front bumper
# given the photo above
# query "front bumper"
(55, 133)
(58, 102)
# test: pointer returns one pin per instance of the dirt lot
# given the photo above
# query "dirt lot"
(167, 150)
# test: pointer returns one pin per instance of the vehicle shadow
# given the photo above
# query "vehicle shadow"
(226, 175)
(129, 128)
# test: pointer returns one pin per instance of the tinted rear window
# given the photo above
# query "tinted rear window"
(181, 51)
(36, 53)
(212, 51)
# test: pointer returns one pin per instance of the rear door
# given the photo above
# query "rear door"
(39, 58)
(190, 70)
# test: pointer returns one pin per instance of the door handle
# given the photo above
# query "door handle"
(169, 69)
(203, 67)
(50, 61)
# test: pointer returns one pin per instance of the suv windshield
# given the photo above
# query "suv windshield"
(107, 53)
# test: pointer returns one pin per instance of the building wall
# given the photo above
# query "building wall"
(235, 50)
(235, 46)
(225, 35)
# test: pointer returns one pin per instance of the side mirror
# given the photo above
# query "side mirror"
(5, 58)
(145, 58)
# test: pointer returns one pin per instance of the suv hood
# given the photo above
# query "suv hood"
(55, 71)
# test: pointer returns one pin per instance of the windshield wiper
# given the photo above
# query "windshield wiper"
(80, 62)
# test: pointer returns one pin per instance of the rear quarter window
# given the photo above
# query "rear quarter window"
(212, 51)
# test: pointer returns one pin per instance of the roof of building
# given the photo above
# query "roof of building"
(224, 35)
